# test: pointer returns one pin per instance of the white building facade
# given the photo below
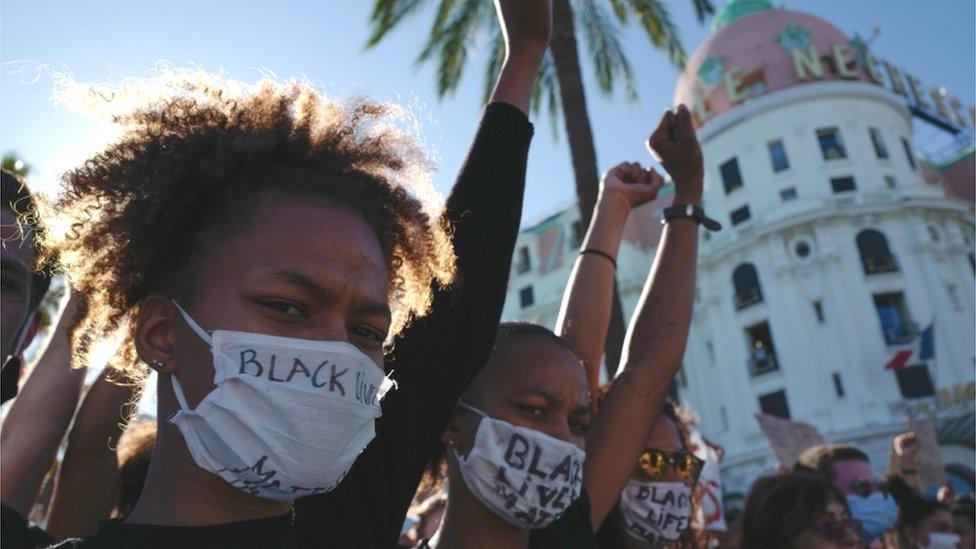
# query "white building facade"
(836, 254)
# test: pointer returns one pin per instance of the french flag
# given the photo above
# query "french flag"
(923, 347)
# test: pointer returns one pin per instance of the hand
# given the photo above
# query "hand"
(630, 182)
(526, 25)
(675, 146)
(906, 446)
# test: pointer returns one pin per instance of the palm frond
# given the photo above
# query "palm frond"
(609, 60)
(620, 10)
(386, 15)
(454, 30)
(656, 21)
(703, 8)
(546, 90)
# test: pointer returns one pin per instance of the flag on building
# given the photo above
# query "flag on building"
(923, 348)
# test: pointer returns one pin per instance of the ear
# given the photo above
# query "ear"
(155, 335)
(452, 433)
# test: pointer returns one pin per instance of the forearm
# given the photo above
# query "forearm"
(517, 77)
(585, 311)
(658, 333)
(83, 496)
(654, 346)
(36, 423)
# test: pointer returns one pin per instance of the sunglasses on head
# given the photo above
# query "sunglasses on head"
(866, 487)
(834, 530)
(654, 464)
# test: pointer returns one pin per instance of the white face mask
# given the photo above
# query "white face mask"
(656, 512)
(942, 540)
(526, 477)
(288, 416)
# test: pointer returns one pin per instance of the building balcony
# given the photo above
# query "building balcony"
(760, 365)
(749, 299)
(879, 265)
(900, 335)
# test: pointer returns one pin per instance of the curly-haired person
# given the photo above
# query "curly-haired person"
(256, 246)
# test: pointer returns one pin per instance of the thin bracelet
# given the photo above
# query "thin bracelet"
(602, 254)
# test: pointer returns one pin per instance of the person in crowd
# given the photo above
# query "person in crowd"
(664, 479)
(24, 283)
(266, 251)
(797, 511)
(517, 471)
(964, 521)
(39, 416)
(850, 470)
(922, 523)
(667, 466)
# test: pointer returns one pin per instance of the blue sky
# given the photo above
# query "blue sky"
(96, 41)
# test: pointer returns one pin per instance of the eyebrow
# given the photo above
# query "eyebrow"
(319, 292)
(553, 400)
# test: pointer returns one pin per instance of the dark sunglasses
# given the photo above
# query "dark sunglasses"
(834, 530)
(654, 464)
(866, 487)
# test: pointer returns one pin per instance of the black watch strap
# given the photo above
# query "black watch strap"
(692, 211)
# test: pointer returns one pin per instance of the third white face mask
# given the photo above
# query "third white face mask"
(656, 512)
(526, 477)
(288, 417)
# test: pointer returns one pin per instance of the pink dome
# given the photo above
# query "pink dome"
(757, 49)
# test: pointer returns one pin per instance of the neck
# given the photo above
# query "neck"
(469, 524)
(179, 493)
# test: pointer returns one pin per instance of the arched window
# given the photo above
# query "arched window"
(875, 254)
(745, 279)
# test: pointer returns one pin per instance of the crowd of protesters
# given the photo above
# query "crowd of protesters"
(331, 366)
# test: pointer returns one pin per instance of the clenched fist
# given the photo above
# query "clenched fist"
(630, 182)
(675, 146)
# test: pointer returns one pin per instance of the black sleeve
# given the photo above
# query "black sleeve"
(570, 531)
(437, 356)
(17, 533)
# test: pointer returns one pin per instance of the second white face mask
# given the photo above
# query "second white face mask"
(526, 477)
(288, 417)
(656, 512)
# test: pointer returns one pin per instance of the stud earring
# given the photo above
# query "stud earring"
(156, 364)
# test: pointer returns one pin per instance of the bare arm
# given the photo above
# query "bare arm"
(585, 311)
(38, 419)
(525, 26)
(84, 493)
(657, 334)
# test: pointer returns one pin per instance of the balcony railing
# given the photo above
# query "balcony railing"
(878, 265)
(747, 299)
(900, 335)
(759, 365)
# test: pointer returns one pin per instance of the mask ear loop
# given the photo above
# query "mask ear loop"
(457, 455)
(177, 387)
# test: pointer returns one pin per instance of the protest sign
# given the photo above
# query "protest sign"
(788, 438)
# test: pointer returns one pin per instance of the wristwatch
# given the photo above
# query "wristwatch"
(692, 211)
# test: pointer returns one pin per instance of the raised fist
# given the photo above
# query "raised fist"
(526, 24)
(632, 183)
(674, 145)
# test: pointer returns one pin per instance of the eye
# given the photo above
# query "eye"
(368, 333)
(578, 427)
(534, 412)
(284, 307)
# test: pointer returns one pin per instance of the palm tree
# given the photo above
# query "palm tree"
(456, 25)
